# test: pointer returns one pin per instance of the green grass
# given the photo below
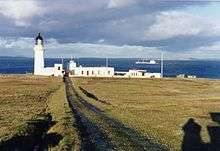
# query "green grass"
(63, 116)
(22, 98)
(157, 108)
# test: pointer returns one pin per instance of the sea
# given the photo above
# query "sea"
(200, 68)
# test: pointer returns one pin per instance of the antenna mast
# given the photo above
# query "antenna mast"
(161, 66)
(106, 62)
(62, 60)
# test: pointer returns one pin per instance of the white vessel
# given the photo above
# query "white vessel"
(146, 62)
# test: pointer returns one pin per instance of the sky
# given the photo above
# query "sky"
(181, 29)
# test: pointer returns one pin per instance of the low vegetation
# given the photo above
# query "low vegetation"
(156, 108)
(22, 98)
(34, 112)
(119, 114)
(99, 131)
(65, 122)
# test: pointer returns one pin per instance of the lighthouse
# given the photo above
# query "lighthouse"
(39, 55)
(39, 69)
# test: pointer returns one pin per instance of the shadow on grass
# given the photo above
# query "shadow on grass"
(192, 140)
(90, 95)
(33, 136)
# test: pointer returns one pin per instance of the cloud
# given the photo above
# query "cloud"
(176, 24)
(21, 11)
(24, 47)
(212, 47)
(120, 3)
(99, 50)
(16, 43)
(113, 28)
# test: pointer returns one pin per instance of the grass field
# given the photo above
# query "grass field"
(121, 114)
(157, 108)
(21, 98)
(65, 122)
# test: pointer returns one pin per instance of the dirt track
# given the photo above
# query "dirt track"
(93, 136)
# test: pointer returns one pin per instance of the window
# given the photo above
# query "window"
(87, 72)
(58, 68)
(99, 72)
(82, 72)
(109, 72)
(92, 72)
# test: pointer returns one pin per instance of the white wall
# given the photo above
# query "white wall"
(53, 71)
(38, 59)
(93, 71)
(135, 73)
(141, 74)
(72, 65)
(58, 68)
(153, 75)
(48, 71)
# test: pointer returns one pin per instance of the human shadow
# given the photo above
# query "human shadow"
(214, 132)
(33, 136)
(192, 140)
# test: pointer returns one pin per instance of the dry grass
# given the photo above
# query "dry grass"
(157, 108)
(59, 108)
(21, 98)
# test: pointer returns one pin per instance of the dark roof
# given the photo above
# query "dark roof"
(39, 37)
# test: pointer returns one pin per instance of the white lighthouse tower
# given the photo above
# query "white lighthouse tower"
(39, 69)
(39, 55)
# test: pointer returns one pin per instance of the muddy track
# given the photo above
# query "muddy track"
(92, 138)
(138, 141)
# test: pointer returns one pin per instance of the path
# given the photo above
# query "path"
(93, 134)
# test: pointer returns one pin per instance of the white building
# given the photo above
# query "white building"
(39, 69)
(108, 72)
(90, 71)
(186, 76)
(141, 74)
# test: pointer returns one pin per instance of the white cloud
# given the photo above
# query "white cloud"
(120, 3)
(21, 11)
(213, 47)
(174, 24)
(16, 43)
(24, 46)
(99, 50)
(101, 40)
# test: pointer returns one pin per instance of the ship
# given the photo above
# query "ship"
(146, 62)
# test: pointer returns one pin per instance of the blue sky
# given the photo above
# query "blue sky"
(112, 28)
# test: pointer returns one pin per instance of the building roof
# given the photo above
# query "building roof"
(38, 37)
(137, 70)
